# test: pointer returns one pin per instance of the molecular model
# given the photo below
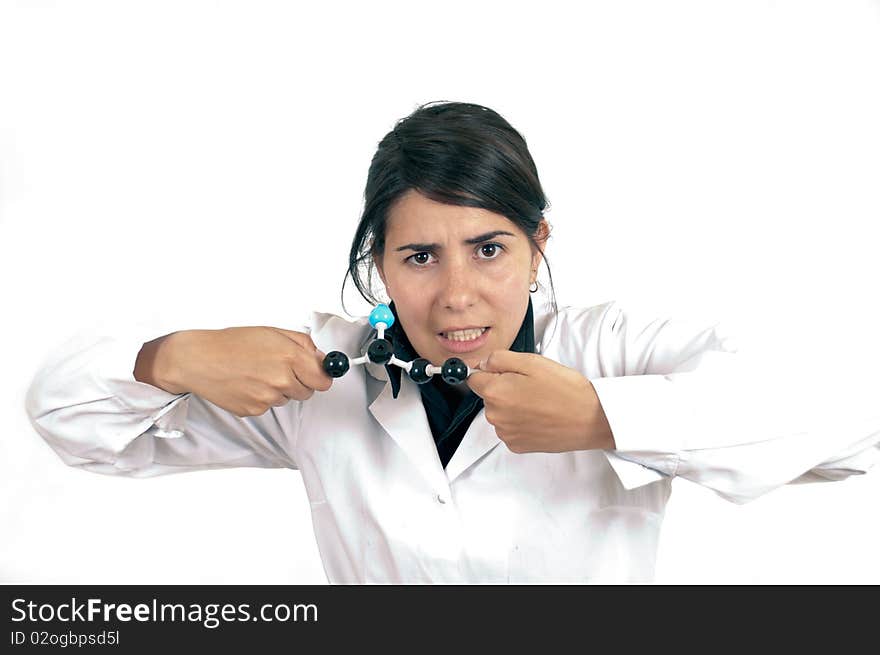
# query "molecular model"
(380, 351)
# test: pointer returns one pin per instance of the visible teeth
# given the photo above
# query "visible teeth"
(464, 335)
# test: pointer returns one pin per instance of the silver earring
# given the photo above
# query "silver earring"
(536, 287)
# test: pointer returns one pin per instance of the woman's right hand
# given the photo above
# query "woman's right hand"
(245, 370)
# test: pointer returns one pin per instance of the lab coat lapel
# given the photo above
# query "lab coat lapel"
(479, 439)
(404, 419)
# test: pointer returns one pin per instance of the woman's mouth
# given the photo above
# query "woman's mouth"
(464, 341)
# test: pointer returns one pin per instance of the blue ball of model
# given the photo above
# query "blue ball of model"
(382, 314)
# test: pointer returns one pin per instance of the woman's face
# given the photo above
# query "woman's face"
(448, 267)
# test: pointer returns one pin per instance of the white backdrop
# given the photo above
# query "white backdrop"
(202, 164)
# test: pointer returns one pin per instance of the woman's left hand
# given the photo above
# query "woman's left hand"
(538, 405)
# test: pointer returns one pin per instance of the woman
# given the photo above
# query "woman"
(551, 463)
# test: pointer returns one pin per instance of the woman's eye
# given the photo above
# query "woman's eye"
(490, 250)
(420, 258)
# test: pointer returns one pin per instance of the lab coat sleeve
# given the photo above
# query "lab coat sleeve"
(680, 401)
(87, 406)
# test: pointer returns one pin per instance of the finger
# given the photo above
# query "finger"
(479, 380)
(507, 361)
(310, 372)
(296, 389)
(300, 338)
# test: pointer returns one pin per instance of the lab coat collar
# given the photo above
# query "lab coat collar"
(404, 419)
(400, 411)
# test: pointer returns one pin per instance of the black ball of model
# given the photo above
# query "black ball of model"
(380, 351)
(336, 364)
(454, 371)
(418, 372)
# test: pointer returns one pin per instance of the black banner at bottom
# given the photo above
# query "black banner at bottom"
(138, 618)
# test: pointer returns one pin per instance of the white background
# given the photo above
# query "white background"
(203, 164)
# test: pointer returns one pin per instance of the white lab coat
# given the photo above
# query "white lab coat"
(383, 508)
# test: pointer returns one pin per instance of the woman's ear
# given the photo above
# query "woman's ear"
(543, 233)
(541, 236)
(378, 262)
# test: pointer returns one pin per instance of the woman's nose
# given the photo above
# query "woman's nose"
(458, 287)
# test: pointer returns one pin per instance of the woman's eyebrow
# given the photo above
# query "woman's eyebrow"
(474, 240)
